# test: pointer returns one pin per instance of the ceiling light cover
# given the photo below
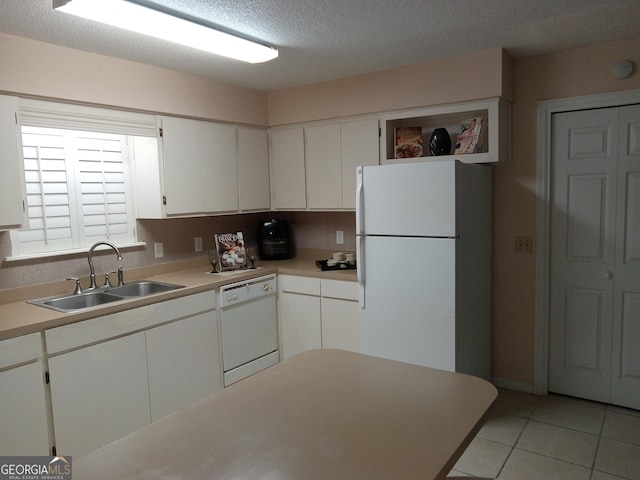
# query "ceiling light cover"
(137, 18)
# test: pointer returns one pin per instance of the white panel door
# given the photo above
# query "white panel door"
(594, 335)
(99, 394)
(625, 376)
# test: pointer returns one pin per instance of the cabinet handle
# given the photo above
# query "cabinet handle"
(608, 275)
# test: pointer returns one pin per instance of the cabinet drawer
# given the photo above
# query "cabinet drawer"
(20, 349)
(295, 284)
(340, 289)
(108, 326)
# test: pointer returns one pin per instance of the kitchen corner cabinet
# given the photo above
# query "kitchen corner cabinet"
(496, 114)
(12, 185)
(113, 374)
(199, 166)
(23, 417)
(317, 313)
(253, 169)
(287, 169)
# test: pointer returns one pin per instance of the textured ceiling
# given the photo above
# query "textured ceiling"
(325, 39)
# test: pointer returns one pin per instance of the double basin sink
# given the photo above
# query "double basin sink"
(93, 298)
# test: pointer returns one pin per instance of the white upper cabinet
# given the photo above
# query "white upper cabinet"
(253, 169)
(359, 147)
(288, 187)
(12, 185)
(323, 166)
(199, 166)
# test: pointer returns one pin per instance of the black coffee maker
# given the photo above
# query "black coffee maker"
(274, 240)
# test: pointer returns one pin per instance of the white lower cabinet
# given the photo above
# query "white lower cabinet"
(317, 313)
(183, 361)
(99, 394)
(138, 365)
(23, 413)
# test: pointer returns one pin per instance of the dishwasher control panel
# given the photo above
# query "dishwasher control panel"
(246, 290)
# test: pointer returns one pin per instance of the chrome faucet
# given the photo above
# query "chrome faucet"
(92, 275)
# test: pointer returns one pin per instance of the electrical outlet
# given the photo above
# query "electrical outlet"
(524, 244)
(339, 237)
(198, 244)
(158, 249)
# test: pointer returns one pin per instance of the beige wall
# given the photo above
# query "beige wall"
(473, 76)
(35, 68)
(562, 74)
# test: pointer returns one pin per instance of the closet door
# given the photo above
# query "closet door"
(594, 337)
(625, 375)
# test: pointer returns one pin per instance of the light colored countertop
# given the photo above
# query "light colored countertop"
(323, 414)
(20, 318)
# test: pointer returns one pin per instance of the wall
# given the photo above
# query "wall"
(472, 76)
(567, 73)
(40, 69)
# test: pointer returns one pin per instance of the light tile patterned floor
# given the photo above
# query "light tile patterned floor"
(528, 437)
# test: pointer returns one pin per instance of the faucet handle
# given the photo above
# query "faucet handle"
(78, 289)
(120, 276)
(107, 282)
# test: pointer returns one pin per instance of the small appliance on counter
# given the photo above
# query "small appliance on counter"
(274, 240)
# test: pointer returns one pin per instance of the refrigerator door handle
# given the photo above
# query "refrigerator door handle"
(359, 202)
(360, 268)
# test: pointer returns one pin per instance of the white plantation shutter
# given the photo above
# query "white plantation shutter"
(77, 191)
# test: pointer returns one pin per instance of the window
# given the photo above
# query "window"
(78, 185)
(77, 190)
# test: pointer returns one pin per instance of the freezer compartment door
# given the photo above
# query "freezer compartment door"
(409, 314)
(408, 199)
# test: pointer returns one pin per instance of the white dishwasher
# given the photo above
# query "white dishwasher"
(249, 327)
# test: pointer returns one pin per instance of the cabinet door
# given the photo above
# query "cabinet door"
(323, 166)
(12, 186)
(23, 417)
(288, 190)
(253, 169)
(99, 394)
(299, 317)
(199, 160)
(183, 361)
(359, 142)
(340, 328)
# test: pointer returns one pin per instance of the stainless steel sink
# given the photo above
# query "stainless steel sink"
(93, 298)
(143, 288)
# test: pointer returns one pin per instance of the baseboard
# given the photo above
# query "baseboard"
(512, 385)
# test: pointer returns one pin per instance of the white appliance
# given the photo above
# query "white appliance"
(423, 240)
(249, 327)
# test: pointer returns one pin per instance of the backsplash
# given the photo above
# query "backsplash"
(310, 230)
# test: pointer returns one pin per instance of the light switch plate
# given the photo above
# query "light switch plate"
(198, 244)
(339, 237)
(158, 249)
(524, 244)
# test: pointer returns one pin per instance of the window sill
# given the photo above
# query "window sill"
(69, 253)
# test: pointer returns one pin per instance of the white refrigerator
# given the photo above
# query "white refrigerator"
(423, 241)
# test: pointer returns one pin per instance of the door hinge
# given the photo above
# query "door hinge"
(379, 132)
(161, 131)
(47, 379)
(54, 451)
(164, 199)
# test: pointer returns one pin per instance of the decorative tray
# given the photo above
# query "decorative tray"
(322, 264)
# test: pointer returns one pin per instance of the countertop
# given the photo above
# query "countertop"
(20, 318)
(322, 414)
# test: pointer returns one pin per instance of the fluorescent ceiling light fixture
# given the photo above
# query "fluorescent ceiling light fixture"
(158, 24)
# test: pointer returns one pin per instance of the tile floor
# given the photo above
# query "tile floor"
(552, 437)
